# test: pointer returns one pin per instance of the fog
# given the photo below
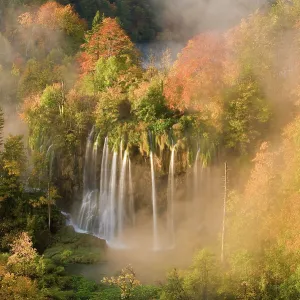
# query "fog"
(190, 17)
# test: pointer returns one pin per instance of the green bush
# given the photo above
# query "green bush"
(146, 292)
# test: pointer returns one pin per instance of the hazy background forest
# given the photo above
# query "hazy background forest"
(149, 149)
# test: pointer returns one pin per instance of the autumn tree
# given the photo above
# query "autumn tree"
(195, 80)
(14, 287)
(107, 41)
(126, 282)
(24, 260)
(50, 26)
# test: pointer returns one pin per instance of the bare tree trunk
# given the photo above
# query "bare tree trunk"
(224, 213)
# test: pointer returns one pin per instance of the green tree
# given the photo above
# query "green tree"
(174, 287)
(246, 115)
(13, 156)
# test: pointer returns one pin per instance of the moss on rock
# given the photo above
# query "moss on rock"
(71, 247)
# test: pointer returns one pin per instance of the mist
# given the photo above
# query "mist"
(190, 17)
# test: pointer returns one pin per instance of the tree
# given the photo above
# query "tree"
(204, 277)
(49, 200)
(46, 26)
(174, 287)
(107, 41)
(13, 156)
(197, 76)
(246, 115)
(126, 282)
(14, 287)
(24, 260)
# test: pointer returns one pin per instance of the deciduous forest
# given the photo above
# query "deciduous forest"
(171, 179)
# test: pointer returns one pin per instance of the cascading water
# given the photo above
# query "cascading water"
(107, 206)
(103, 192)
(85, 214)
(154, 204)
(94, 165)
(171, 193)
(112, 200)
(122, 191)
(131, 198)
(87, 162)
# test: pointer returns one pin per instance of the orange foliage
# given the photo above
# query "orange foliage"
(197, 75)
(47, 15)
(109, 40)
(31, 103)
(25, 19)
(53, 16)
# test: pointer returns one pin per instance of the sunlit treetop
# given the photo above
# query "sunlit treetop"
(196, 76)
(52, 17)
(108, 40)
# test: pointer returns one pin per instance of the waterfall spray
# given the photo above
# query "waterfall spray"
(87, 162)
(112, 200)
(121, 152)
(171, 192)
(154, 204)
(103, 191)
(85, 214)
(121, 197)
(131, 198)
(94, 165)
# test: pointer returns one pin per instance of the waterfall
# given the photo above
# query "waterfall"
(121, 152)
(105, 204)
(131, 199)
(86, 209)
(103, 192)
(171, 193)
(154, 204)
(94, 165)
(112, 201)
(87, 162)
(121, 206)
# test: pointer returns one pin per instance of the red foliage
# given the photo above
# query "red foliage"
(108, 40)
(197, 74)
